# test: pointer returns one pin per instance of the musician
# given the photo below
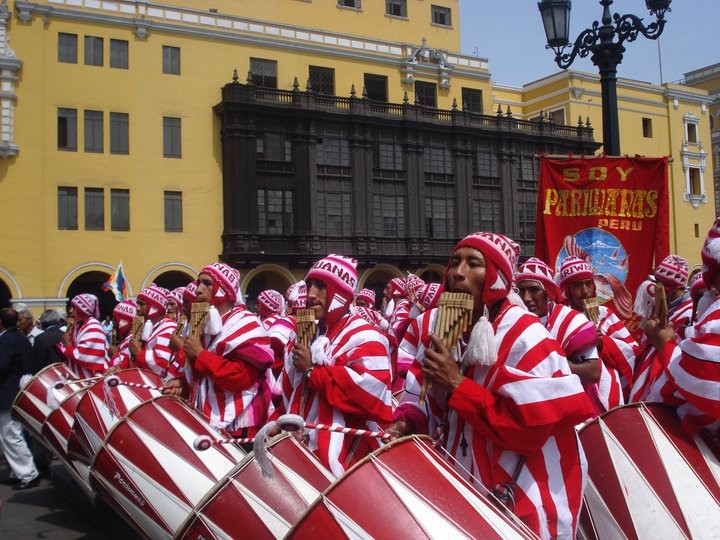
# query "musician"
(366, 298)
(152, 350)
(617, 347)
(84, 345)
(175, 303)
(226, 365)
(270, 307)
(691, 381)
(574, 332)
(343, 378)
(683, 316)
(503, 402)
(672, 272)
(123, 313)
(393, 292)
(697, 292)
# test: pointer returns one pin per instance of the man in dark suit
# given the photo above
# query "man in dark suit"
(44, 350)
(15, 360)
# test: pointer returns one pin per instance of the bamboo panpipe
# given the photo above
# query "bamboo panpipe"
(592, 309)
(198, 315)
(660, 309)
(454, 316)
(70, 324)
(305, 319)
(137, 326)
(180, 325)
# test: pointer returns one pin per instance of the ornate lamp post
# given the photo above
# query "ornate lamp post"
(606, 53)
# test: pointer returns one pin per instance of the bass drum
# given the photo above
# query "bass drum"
(249, 505)
(148, 470)
(39, 397)
(405, 489)
(646, 479)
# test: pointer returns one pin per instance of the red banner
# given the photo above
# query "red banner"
(612, 212)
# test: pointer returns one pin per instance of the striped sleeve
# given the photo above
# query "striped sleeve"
(89, 354)
(156, 354)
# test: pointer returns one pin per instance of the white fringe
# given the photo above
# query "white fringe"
(213, 325)
(481, 346)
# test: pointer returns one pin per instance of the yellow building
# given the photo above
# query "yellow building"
(110, 149)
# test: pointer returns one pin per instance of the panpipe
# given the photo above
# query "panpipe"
(180, 325)
(592, 309)
(113, 337)
(198, 315)
(454, 316)
(660, 308)
(305, 319)
(137, 327)
(70, 325)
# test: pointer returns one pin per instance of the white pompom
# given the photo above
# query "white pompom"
(320, 352)
(147, 330)
(25, 379)
(514, 298)
(213, 325)
(481, 346)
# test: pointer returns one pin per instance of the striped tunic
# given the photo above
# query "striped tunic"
(228, 378)
(648, 369)
(681, 318)
(527, 404)
(156, 354)
(352, 391)
(617, 348)
(88, 354)
(122, 358)
(691, 381)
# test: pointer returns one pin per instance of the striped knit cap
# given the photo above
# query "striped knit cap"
(177, 296)
(536, 270)
(339, 274)
(710, 253)
(87, 306)
(573, 269)
(369, 296)
(190, 292)
(697, 282)
(272, 301)
(124, 313)
(226, 283)
(672, 271)
(156, 299)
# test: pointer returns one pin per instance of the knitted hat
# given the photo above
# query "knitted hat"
(501, 255)
(645, 299)
(296, 295)
(124, 313)
(369, 315)
(155, 297)
(573, 269)
(339, 275)
(226, 282)
(672, 271)
(697, 282)
(413, 283)
(369, 296)
(429, 295)
(86, 305)
(177, 296)
(272, 301)
(190, 292)
(397, 287)
(536, 270)
(710, 253)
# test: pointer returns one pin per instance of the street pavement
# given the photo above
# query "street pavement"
(57, 509)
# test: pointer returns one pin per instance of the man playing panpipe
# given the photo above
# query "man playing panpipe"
(617, 347)
(120, 353)
(226, 364)
(85, 346)
(343, 378)
(503, 402)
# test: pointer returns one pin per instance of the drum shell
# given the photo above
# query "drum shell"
(148, 471)
(646, 479)
(247, 504)
(405, 489)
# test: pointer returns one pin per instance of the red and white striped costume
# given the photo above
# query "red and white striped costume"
(156, 354)
(352, 391)
(692, 379)
(400, 318)
(228, 378)
(88, 354)
(681, 318)
(122, 358)
(649, 367)
(577, 335)
(526, 404)
(617, 348)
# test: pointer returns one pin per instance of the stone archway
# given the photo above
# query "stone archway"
(91, 282)
(260, 281)
(172, 279)
(376, 278)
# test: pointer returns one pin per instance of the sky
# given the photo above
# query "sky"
(509, 33)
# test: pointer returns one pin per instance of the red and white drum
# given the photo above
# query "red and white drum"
(646, 479)
(150, 473)
(103, 406)
(39, 397)
(405, 489)
(248, 505)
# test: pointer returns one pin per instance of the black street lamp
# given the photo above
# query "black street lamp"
(606, 53)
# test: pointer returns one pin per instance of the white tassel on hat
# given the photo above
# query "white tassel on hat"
(320, 352)
(481, 346)
(213, 325)
(147, 330)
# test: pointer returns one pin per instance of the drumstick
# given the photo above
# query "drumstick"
(61, 384)
(453, 318)
(114, 381)
(198, 315)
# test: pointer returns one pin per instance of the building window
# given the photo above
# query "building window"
(426, 94)
(334, 213)
(390, 156)
(487, 211)
(94, 209)
(119, 133)
(349, 3)
(274, 147)
(694, 182)
(396, 8)
(171, 60)
(439, 217)
(322, 80)
(67, 208)
(173, 211)
(389, 211)
(171, 137)
(376, 87)
(692, 134)
(440, 15)
(557, 117)
(527, 172)
(93, 51)
(67, 129)
(67, 48)
(275, 211)
(647, 128)
(333, 152)
(120, 209)
(94, 131)
(263, 72)
(472, 100)
(438, 165)
(118, 53)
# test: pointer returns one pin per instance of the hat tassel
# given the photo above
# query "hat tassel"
(481, 346)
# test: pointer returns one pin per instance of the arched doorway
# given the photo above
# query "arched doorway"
(431, 276)
(262, 281)
(173, 279)
(376, 278)
(5, 295)
(91, 283)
